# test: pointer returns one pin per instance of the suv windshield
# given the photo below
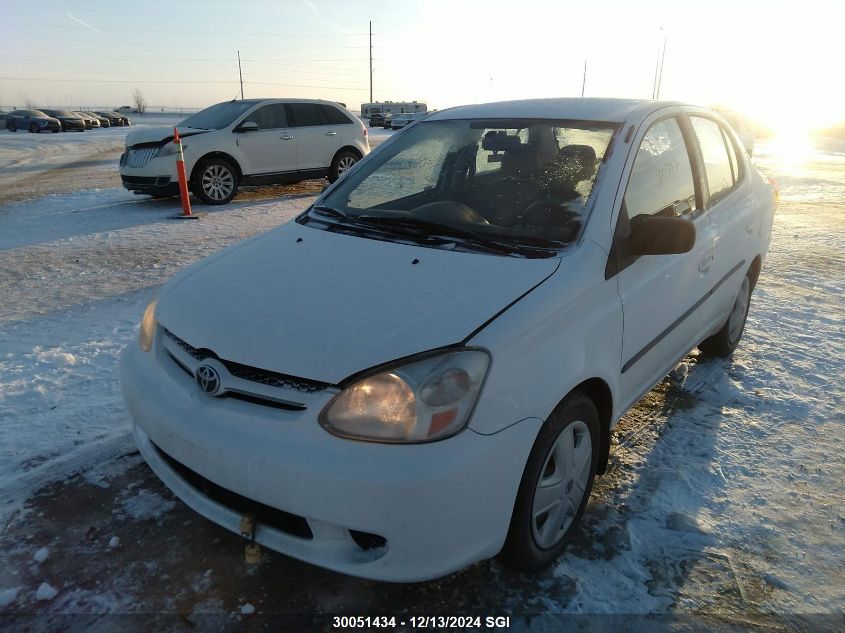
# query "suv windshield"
(218, 116)
(514, 181)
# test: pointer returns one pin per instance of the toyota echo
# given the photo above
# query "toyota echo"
(424, 368)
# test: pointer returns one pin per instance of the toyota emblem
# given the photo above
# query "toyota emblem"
(208, 379)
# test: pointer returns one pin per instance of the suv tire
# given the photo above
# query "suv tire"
(341, 163)
(215, 181)
(570, 434)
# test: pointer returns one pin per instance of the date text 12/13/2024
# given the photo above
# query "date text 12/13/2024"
(421, 622)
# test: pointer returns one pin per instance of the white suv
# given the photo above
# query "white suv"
(424, 369)
(248, 142)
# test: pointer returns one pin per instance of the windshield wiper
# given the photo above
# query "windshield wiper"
(331, 212)
(427, 228)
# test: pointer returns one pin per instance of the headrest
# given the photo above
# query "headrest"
(499, 141)
(579, 161)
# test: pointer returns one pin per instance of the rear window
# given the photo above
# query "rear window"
(717, 164)
(333, 116)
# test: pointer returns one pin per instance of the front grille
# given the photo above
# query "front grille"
(253, 374)
(139, 156)
(284, 521)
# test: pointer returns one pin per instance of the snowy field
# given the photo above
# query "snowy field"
(725, 496)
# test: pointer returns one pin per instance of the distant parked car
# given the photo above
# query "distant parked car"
(90, 122)
(104, 122)
(32, 120)
(376, 119)
(69, 120)
(113, 117)
(388, 117)
(401, 120)
(125, 109)
(248, 142)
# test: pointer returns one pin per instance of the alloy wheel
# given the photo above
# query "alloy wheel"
(218, 182)
(345, 163)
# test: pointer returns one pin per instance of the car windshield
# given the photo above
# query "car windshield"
(218, 116)
(63, 113)
(515, 181)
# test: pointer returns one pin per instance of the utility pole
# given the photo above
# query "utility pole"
(584, 80)
(662, 59)
(371, 61)
(240, 74)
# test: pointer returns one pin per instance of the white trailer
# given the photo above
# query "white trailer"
(392, 107)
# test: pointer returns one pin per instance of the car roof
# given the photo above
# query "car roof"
(575, 108)
(285, 100)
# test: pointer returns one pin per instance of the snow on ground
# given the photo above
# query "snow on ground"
(725, 493)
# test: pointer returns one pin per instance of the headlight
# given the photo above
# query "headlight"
(42, 122)
(148, 327)
(168, 149)
(419, 401)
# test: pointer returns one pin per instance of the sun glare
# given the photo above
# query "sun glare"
(792, 146)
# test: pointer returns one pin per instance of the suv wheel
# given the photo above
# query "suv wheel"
(11, 127)
(215, 181)
(555, 486)
(33, 128)
(724, 342)
(343, 161)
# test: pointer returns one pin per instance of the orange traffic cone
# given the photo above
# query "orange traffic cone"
(183, 182)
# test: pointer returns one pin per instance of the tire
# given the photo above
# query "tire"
(724, 342)
(215, 181)
(573, 428)
(11, 127)
(341, 163)
(57, 131)
(33, 128)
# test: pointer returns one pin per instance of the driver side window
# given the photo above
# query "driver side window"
(661, 181)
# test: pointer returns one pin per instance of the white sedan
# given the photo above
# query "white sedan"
(424, 369)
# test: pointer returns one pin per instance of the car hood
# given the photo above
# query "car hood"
(159, 134)
(321, 305)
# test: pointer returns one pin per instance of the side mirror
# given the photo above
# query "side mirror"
(653, 235)
(247, 126)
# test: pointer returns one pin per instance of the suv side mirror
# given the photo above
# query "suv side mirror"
(247, 126)
(653, 235)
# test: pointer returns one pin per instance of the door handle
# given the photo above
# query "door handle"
(331, 133)
(286, 137)
(749, 228)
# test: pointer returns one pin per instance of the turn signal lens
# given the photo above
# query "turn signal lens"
(148, 327)
(419, 401)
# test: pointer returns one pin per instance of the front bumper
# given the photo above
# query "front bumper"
(150, 185)
(438, 507)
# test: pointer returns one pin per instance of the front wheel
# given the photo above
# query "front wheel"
(33, 128)
(11, 127)
(215, 181)
(555, 486)
(343, 162)
(724, 342)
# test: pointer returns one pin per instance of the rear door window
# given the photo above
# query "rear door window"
(714, 153)
(661, 181)
(304, 114)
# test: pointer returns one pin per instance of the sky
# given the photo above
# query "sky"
(778, 62)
